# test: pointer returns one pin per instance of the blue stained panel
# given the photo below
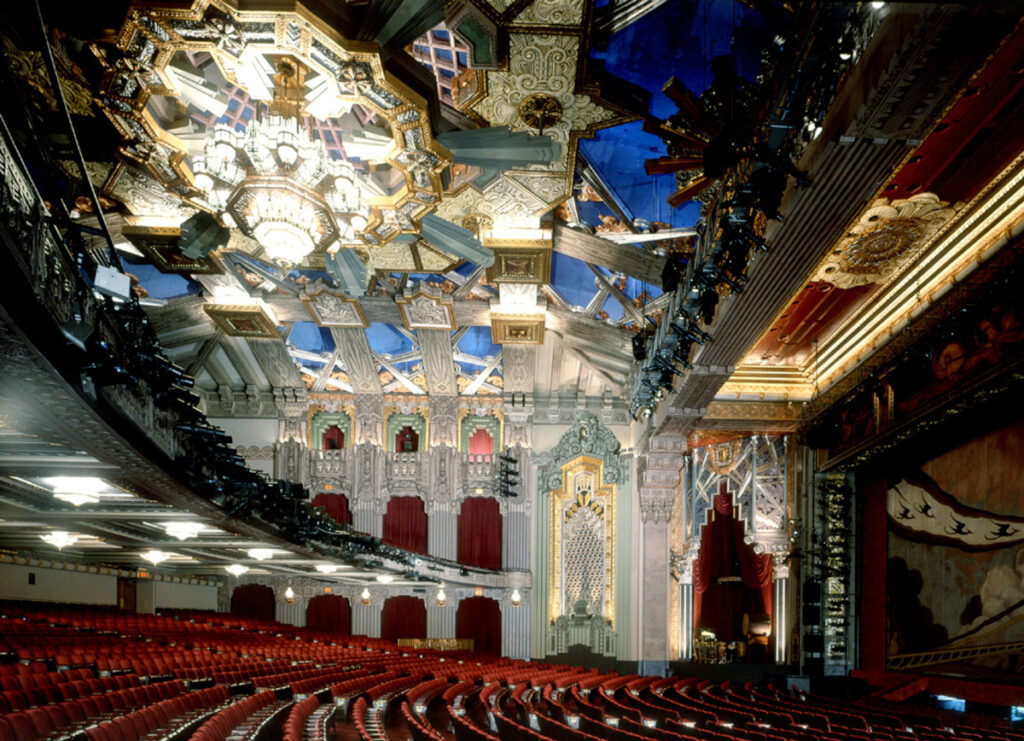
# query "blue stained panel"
(160, 285)
(312, 338)
(477, 342)
(386, 340)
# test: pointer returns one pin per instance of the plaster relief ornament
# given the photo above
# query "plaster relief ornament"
(885, 238)
(269, 173)
(332, 310)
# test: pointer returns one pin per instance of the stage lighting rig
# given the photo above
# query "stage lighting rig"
(508, 475)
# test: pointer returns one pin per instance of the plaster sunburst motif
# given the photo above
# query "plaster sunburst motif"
(885, 237)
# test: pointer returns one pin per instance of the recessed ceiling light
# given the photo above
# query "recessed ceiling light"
(183, 530)
(385, 578)
(59, 538)
(236, 569)
(154, 556)
(261, 554)
(327, 568)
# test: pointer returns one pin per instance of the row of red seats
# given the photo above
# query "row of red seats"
(220, 725)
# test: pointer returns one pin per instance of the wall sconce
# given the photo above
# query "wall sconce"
(289, 595)
(517, 598)
(441, 597)
(365, 596)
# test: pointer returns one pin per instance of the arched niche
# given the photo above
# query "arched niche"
(330, 613)
(405, 524)
(472, 424)
(253, 601)
(320, 424)
(479, 618)
(397, 423)
(403, 617)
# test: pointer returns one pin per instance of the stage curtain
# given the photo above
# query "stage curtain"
(333, 438)
(253, 601)
(718, 605)
(405, 524)
(403, 617)
(481, 445)
(479, 618)
(479, 533)
(330, 613)
(336, 506)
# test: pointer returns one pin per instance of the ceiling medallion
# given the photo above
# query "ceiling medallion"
(540, 111)
(298, 195)
(884, 238)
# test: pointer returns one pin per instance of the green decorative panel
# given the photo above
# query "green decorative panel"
(472, 423)
(322, 420)
(398, 421)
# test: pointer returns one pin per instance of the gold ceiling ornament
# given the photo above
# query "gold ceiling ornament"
(540, 111)
(885, 237)
(151, 58)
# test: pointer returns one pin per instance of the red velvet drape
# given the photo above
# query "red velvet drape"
(479, 618)
(719, 606)
(405, 524)
(336, 506)
(253, 601)
(333, 438)
(481, 445)
(331, 613)
(403, 617)
(407, 440)
(479, 533)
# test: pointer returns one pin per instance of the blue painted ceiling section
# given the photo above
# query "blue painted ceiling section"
(159, 285)
(680, 39)
(311, 337)
(477, 342)
(386, 340)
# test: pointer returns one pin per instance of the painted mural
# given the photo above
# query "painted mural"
(955, 572)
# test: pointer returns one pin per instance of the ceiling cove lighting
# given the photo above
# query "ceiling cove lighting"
(60, 539)
(236, 569)
(183, 530)
(155, 557)
(261, 554)
(76, 490)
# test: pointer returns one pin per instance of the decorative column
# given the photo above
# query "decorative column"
(366, 618)
(783, 620)
(368, 425)
(444, 419)
(442, 528)
(515, 517)
(366, 489)
(291, 452)
(440, 498)
(441, 619)
(686, 612)
(515, 624)
(658, 477)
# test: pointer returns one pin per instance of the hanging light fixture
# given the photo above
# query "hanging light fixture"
(182, 530)
(236, 569)
(278, 184)
(261, 554)
(154, 556)
(60, 539)
(76, 490)
(365, 596)
(327, 568)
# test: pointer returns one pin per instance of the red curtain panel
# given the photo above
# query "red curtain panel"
(407, 440)
(481, 445)
(720, 605)
(331, 613)
(405, 524)
(253, 601)
(336, 506)
(479, 618)
(333, 438)
(479, 533)
(403, 617)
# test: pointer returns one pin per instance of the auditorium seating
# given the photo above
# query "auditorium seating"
(96, 674)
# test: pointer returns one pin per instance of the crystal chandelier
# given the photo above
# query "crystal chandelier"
(278, 185)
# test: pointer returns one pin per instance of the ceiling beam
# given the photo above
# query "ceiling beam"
(482, 376)
(627, 305)
(355, 354)
(438, 365)
(618, 258)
